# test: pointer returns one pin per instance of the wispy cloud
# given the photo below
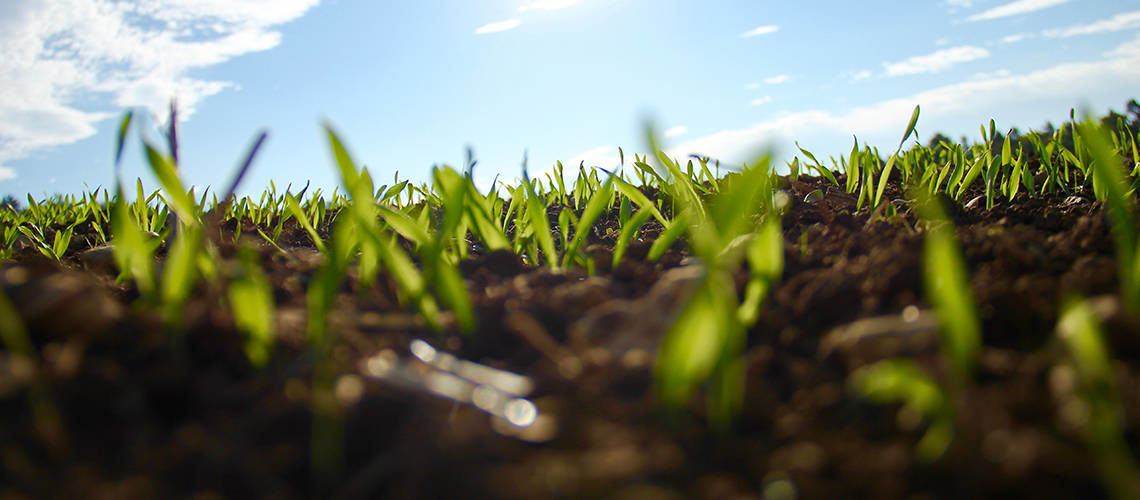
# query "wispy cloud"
(1015, 8)
(1119, 22)
(120, 54)
(860, 75)
(498, 27)
(976, 99)
(547, 5)
(1001, 73)
(760, 30)
(953, 6)
(776, 80)
(1128, 50)
(935, 62)
(1016, 37)
(760, 101)
(752, 86)
(601, 156)
(679, 130)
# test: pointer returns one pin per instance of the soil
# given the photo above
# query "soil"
(143, 411)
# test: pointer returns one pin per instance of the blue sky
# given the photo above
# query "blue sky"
(410, 84)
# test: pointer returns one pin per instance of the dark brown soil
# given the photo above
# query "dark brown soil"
(146, 412)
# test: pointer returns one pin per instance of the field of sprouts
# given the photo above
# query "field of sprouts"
(956, 320)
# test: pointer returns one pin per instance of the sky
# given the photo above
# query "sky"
(412, 84)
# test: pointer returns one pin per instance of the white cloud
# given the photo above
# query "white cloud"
(1016, 37)
(55, 54)
(936, 62)
(953, 6)
(676, 131)
(760, 30)
(971, 100)
(778, 79)
(941, 42)
(547, 5)
(1015, 8)
(601, 156)
(1001, 73)
(860, 75)
(761, 100)
(1119, 22)
(497, 27)
(1127, 50)
(752, 86)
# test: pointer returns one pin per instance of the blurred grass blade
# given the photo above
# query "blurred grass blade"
(405, 225)
(1083, 337)
(245, 166)
(163, 168)
(121, 137)
(948, 289)
(674, 230)
(765, 265)
(180, 272)
(1110, 185)
(901, 381)
(251, 299)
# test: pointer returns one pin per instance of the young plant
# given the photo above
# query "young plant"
(17, 342)
(181, 269)
(601, 200)
(886, 173)
(901, 381)
(705, 342)
(1110, 186)
(948, 289)
(540, 225)
(1097, 399)
(251, 299)
(375, 247)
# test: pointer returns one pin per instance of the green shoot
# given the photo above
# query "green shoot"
(1097, 405)
(948, 289)
(901, 381)
(1109, 186)
(251, 298)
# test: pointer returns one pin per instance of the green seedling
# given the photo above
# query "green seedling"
(629, 232)
(1097, 403)
(948, 288)
(901, 381)
(601, 200)
(303, 219)
(1110, 186)
(18, 343)
(375, 247)
(536, 217)
(886, 173)
(705, 343)
(181, 269)
(765, 265)
(251, 299)
(815, 164)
